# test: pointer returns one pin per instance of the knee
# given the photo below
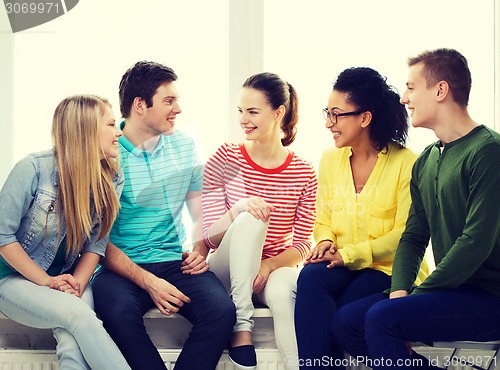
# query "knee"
(281, 289)
(77, 315)
(378, 317)
(250, 223)
(79, 310)
(310, 276)
(222, 311)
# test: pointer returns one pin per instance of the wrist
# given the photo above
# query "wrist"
(268, 264)
(46, 281)
(231, 215)
(325, 241)
(201, 248)
(143, 278)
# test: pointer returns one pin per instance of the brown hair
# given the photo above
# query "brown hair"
(278, 92)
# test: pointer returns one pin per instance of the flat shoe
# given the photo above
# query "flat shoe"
(243, 357)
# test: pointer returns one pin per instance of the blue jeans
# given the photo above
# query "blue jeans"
(378, 327)
(121, 305)
(82, 342)
(320, 293)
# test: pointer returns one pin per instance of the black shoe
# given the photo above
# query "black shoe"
(243, 357)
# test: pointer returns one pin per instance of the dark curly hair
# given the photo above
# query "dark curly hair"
(278, 92)
(141, 81)
(369, 91)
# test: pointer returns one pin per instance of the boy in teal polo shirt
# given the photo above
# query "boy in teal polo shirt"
(145, 265)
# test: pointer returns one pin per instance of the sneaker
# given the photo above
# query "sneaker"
(243, 357)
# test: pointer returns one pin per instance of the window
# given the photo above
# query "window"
(310, 45)
(214, 46)
(88, 49)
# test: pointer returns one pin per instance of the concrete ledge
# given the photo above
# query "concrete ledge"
(155, 314)
(30, 348)
(167, 332)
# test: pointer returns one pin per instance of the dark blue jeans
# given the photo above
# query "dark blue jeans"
(121, 305)
(378, 327)
(320, 293)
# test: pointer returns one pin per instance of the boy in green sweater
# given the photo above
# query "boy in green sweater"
(456, 204)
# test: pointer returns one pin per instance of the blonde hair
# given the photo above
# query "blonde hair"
(85, 181)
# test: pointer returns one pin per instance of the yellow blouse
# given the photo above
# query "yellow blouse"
(367, 226)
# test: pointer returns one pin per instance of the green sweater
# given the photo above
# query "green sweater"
(456, 203)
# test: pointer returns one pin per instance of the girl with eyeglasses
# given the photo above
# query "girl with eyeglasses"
(362, 206)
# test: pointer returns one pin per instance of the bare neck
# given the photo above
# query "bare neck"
(140, 138)
(453, 124)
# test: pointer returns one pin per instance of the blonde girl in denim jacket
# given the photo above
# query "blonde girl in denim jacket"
(57, 208)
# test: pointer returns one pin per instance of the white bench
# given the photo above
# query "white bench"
(22, 347)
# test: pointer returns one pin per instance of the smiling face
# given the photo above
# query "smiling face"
(160, 117)
(108, 134)
(419, 99)
(347, 130)
(257, 118)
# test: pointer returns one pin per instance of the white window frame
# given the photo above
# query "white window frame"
(246, 57)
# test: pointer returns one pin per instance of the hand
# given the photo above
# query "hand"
(330, 255)
(398, 294)
(260, 281)
(335, 259)
(256, 206)
(318, 252)
(65, 283)
(193, 263)
(166, 297)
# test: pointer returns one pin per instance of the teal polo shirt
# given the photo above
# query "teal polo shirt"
(149, 225)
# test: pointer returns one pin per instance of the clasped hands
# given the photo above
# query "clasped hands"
(66, 283)
(326, 250)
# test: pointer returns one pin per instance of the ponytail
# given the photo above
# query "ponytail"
(291, 118)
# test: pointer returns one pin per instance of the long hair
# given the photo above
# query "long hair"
(278, 92)
(86, 187)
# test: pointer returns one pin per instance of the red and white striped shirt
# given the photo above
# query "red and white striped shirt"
(231, 175)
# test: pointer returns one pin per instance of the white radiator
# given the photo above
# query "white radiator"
(269, 359)
(46, 360)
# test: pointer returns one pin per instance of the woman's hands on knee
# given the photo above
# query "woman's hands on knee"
(65, 283)
(256, 206)
(321, 252)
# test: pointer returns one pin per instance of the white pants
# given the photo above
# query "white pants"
(236, 263)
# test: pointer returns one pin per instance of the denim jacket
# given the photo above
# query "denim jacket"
(28, 211)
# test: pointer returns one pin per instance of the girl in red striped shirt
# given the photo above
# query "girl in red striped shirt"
(259, 210)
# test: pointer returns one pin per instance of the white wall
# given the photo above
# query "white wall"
(214, 45)
(310, 45)
(6, 122)
(88, 49)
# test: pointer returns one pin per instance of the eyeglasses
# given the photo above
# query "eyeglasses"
(333, 117)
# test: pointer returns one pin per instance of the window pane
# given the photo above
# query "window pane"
(88, 49)
(310, 45)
